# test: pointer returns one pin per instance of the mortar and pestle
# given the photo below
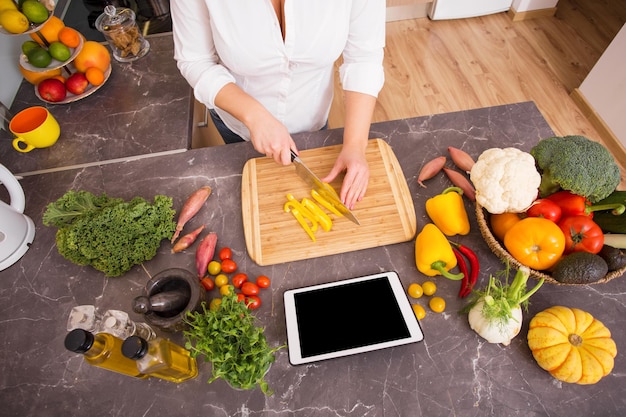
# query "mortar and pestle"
(168, 297)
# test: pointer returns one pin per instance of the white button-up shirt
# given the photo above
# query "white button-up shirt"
(240, 41)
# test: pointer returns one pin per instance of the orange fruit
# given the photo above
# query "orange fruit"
(94, 75)
(93, 54)
(60, 78)
(35, 77)
(69, 37)
(50, 31)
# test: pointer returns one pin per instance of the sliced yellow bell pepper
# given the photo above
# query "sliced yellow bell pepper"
(321, 217)
(434, 254)
(448, 212)
(325, 203)
(302, 214)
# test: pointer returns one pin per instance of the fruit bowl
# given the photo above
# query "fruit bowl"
(54, 64)
(497, 248)
(70, 98)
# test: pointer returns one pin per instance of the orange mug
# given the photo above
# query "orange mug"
(34, 127)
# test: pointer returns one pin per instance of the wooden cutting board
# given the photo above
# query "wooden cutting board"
(386, 214)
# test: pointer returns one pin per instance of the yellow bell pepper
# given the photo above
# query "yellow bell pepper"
(328, 205)
(302, 214)
(321, 217)
(448, 212)
(434, 254)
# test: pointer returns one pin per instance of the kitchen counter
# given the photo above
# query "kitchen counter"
(453, 372)
(144, 109)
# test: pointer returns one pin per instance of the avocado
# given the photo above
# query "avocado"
(580, 268)
(614, 257)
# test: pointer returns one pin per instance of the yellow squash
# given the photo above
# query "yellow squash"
(571, 344)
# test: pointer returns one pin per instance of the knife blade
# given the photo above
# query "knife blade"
(324, 189)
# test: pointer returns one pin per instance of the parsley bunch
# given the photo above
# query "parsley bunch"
(108, 233)
(228, 338)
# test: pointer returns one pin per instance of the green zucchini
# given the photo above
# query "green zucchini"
(607, 221)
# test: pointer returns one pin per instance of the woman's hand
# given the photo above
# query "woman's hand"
(271, 138)
(356, 179)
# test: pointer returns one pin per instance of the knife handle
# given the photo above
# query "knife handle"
(293, 155)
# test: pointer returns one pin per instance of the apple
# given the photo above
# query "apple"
(76, 83)
(52, 90)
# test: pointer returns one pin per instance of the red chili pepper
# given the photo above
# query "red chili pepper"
(474, 268)
(460, 261)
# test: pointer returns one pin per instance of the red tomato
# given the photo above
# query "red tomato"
(241, 297)
(545, 208)
(239, 279)
(582, 234)
(263, 282)
(225, 253)
(253, 302)
(207, 283)
(228, 266)
(250, 288)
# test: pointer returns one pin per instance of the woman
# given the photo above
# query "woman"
(265, 69)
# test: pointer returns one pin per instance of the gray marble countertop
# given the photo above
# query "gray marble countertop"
(453, 372)
(144, 108)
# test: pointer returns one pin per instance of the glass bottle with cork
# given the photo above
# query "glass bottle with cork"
(102, 350)
(160, 358)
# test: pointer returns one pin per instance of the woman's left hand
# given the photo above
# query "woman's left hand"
(356, 179)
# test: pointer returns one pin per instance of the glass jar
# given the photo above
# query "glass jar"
(120, 29)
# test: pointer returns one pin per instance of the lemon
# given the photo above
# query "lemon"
(13, 21)
(39, 57)
(28, 46)
(7, 5)
(59, 51)
(35, 11)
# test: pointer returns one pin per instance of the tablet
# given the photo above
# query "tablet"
(348, 317)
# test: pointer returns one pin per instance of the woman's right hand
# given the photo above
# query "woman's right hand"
(271, 138)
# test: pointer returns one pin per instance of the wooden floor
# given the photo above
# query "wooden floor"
(442, 66)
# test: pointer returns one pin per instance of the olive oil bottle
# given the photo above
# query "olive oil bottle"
(103, 350)
(160, 358)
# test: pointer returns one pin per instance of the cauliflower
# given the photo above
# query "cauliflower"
(506, 180)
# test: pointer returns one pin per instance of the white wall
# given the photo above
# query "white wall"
(604, 88)
(527, 5)
(10, 48)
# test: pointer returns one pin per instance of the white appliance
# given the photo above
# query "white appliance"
(457, 9)
(17, 230)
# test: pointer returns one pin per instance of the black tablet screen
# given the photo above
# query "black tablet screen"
(348, 316)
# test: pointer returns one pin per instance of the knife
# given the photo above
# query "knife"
(324, 189)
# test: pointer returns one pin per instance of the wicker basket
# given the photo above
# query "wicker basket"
(502, 253)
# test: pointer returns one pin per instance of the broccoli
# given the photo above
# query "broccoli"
(577, 164)
(108, 233)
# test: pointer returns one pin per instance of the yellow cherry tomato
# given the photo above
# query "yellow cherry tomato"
(214, 268)
(215, 304)
(415, 290)
(429, 288)
(437, 304)
(419, 311)
(226, 289)
(221, 280)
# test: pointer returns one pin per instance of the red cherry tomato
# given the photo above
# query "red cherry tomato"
(241, 297)
(239, 279)
(207, 283)
(581, 234)
(545, 208)
(225, 253)
(229, 266)
(250, 288)
(263, 282)
(253, 302)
